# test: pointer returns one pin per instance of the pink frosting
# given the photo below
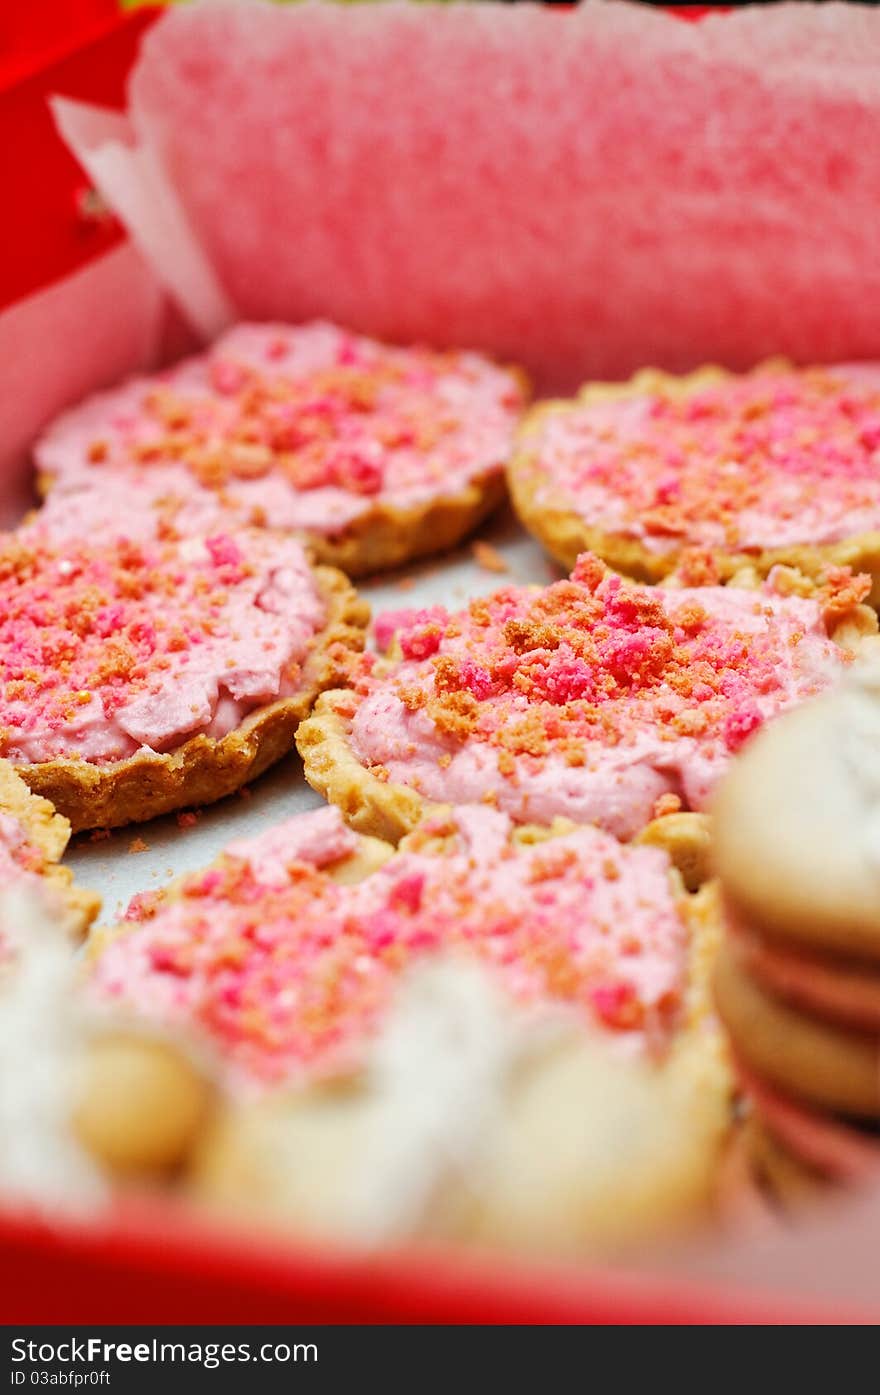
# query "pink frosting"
(767, 460)
(304, 428)
(289, 973)
(106, 649)
(591, 698)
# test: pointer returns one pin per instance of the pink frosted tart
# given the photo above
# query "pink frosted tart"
(33, 838)
(797, 982)
(776, 465)
(373, 454)
(136, 678)
(546, 965)
(590, 699)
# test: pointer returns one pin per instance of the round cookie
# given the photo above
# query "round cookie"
(800, 1143)
(824, 986)
(141, 1102)
(406, 1040)
(779, 465)
(374, 455)
(138, 678)
(828, 1066)
(590, 699)
(787, 1183)
(796, 831)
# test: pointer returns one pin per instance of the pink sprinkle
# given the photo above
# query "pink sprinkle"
(406, 894)
(565, 679)
(355, 470)
(164, 961)
(141, 906)
(381, 932)
(228, 377)
(476, 680)
(614, 1003)
(392, 622)
(740, 725)
(223, 551)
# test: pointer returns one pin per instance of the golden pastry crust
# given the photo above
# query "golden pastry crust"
(369, 805)
(388, 536)
(687, 839)
(48, 832)
(203, 769)
(390, 810)
(565, 534)
(588, 1152)
(825, 1065)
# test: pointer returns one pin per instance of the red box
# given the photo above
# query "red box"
(151, 1260)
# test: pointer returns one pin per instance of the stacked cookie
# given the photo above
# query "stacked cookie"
(797, 982)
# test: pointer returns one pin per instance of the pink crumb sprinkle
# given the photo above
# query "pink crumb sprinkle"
(740, 725)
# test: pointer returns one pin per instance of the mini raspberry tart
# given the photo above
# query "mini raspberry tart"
(780, 465)
(33, 838)
(590, 699)
(373, 454)
(286, 960)
(137, 678)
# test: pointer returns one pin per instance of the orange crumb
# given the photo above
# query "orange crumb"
(488, 557)
(137, 845)
(667, 804)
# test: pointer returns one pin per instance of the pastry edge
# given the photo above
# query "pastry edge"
(49, 832)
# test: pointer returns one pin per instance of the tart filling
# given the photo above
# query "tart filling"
(109, 648)
(290, 972)
(771, 459)
(304, 429)
(591, 699)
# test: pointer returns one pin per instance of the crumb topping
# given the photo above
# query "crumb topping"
(289, 972)
(312, 408)
(147, 640)
(769, 458)
(527, 679)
